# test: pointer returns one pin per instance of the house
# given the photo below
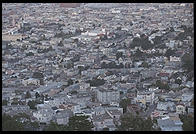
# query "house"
(114, 112)
(173, 86)
(44, 115)
(191, 110)
(190, 84)
(84, 86)
(158, 114)
(163, 75)
(103, 121)
(187, 97)
(175, 59)
(106, 96)
(31, 81)
(81, 99)
(145, 97)
(75, 108)
(56, 101)
(48, 87)
(148, 73)
(180, 109)
(170, 124)
(62, 117)
(165, 106)
(133, 108)
(88, 112)
(15, 109)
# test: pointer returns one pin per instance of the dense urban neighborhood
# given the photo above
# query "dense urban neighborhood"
(97, 67)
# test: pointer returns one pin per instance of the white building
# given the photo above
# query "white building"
(31, 81)
(44, 115)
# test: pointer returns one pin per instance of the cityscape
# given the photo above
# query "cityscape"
(97, 67)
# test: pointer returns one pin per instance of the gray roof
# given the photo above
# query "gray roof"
(101, 117)
(169, 125)
(49, 86)
(64, 114)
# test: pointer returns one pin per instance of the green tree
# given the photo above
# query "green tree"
(37, 95)
(4, 103)
(188, 62)
(105, 129)
(53, 127)
(97, 82)
(162, 85)
(135, 123)
(118, 55)
(10, 124)
(178, 81)
(103, 65)
(138, 53)
(188, 122)
(70, 82)
(28, 95)
(21, 115)
(32, 104)
(35, 125)
(126, 123)
(30, 54)
(144, 64)
(124, 103)
(38, 75)
(15, 101)
(169, 53)
(79, 123)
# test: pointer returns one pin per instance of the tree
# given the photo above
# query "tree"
(103, 65)
(157, 40)
(28, 95)
(4, 103)
(188, 62)
(30, 54)
(138, 53)
(96, 82)
(46, 97)
(188, 122)
(126, 123)
(35, 125)
(147, 125)
(178, 81)
(70, 82)
(124, 103)
(42, 97)
(135, 123)
(15, 101)
(105, 129)
(79, 123)
(10, 124)
(169, 53)
(135, 42)
(38, 75)
(60, 44)
(74, 92)
(118, 55)
(53, 127)
(32, 105)
(81, 68)
(144, 64)
(162, 85)
(37, 95)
